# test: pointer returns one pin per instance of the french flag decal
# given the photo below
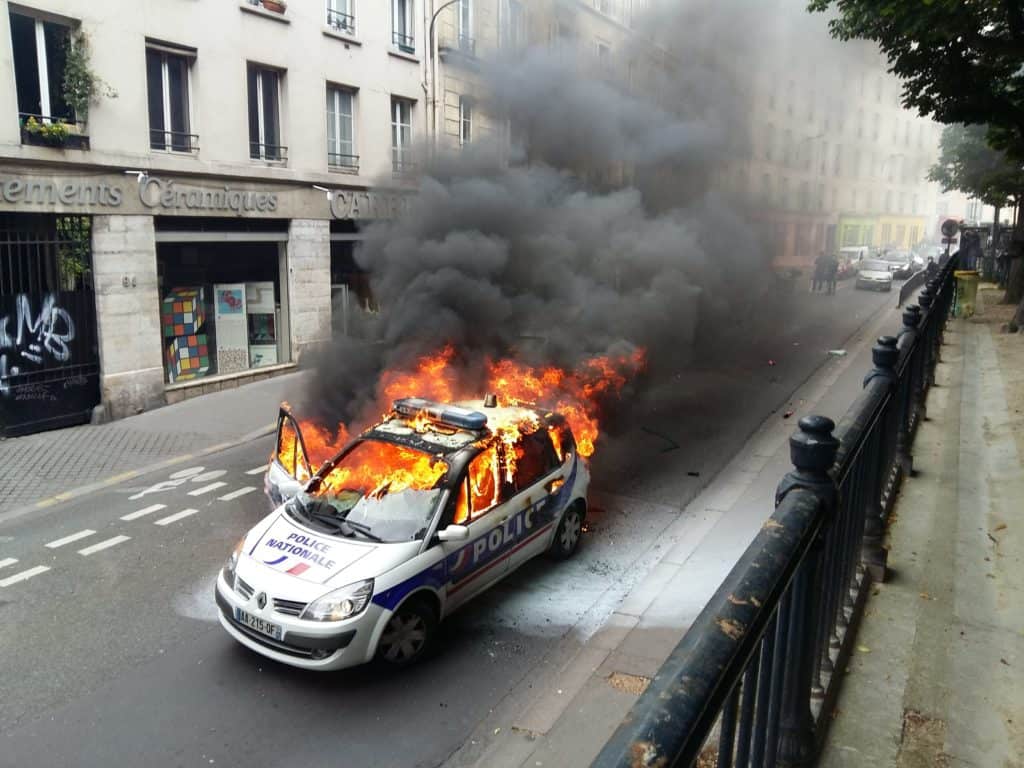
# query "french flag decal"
(298, 570)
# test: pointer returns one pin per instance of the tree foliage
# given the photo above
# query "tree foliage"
(960, 60)
(968, 163)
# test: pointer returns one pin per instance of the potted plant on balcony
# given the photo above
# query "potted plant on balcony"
(82, 87)
(45, 132)
(277, 6)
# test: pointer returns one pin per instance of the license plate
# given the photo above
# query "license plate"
(255, 622)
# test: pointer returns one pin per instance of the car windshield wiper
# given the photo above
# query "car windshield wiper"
(362, 529)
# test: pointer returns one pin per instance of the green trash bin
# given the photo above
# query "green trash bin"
(966, 292)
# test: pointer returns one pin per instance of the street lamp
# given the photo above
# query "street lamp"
(433, 72)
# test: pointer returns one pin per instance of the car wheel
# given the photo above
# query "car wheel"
(408, 634)
(568, 534)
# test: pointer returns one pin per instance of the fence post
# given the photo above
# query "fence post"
(874, 556)
(908, 390)
(930, 352)
(812, 449)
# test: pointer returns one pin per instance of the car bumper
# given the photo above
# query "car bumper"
(875, 285)
(306, 644)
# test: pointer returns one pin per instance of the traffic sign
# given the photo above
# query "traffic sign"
(949, 227)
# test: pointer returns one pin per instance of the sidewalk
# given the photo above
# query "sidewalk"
(562, 714)
(44, 468)
(935, 677)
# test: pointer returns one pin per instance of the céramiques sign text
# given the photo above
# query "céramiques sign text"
(158, 193)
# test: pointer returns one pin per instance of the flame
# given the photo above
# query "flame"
(576, 394)
(376, 469)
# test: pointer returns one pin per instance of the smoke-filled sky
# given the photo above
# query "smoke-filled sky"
(562, 246)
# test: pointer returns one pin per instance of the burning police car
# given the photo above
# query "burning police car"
(368, 552)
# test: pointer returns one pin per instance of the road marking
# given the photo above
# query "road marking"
(239, 492)
(8, 561)
(143, 512)
(206, 489)
(103, 545)
(68, 539)
(23, 575)
(258, 470)
(175, 517)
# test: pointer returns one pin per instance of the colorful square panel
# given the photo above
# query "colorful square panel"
(187, 357)
(182, 311)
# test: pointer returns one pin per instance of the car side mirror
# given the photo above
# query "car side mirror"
(453, 533)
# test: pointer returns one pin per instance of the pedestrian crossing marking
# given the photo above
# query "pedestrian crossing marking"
(68, 539)
(143, 512)
(23, 575)
(258, 470)
(175, 517)
(8, 561)
(207, 488)
(240, 492)
(103, 545)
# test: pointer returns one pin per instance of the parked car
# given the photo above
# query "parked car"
(874, 274)
(854, 255)
(900, 263)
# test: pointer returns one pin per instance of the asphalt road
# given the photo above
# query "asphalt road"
(111, 650)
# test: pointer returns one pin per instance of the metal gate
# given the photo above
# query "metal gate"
(49, 354)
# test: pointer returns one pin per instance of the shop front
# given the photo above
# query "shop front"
(194, 284)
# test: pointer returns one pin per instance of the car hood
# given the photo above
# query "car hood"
(291, 549)
(875, 274)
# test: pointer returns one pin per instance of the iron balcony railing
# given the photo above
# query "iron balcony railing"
(754, 680)
(404, 43)
(271, 152)
(342, 22)
(173, 141)
(339, 162)
(463, 45)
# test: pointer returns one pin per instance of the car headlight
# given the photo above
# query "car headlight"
(340, 604)
(232, 563)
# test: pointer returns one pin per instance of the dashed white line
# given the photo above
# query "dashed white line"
(23, 575)
(143, 512)
(8, 561)
(103, 545)
(68, 539)
(258, 470)
(239, 492)
(175, 517)
(206, 489)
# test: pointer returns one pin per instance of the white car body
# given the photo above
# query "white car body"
(874, 274)
(284, 564)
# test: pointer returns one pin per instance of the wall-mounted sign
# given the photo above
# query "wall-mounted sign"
(346, 204)
(162, 193)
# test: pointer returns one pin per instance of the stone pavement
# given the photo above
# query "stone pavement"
(561, 715)
(935, 677)
(35, 468)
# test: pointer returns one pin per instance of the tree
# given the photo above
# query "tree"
(968, 164)
(960, 62)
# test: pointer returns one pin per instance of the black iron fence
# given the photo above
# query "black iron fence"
(753, 681)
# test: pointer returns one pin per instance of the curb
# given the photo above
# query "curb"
(85, 490)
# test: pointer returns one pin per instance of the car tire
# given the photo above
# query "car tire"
(408, 635)
(569, 532)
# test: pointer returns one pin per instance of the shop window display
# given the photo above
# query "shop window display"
(212, 325)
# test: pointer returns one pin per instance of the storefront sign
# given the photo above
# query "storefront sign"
(161, 193)
(347, 204)
(156, 195)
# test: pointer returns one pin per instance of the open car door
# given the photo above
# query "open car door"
(290, 469)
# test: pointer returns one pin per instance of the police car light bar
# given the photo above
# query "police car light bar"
(452, 415)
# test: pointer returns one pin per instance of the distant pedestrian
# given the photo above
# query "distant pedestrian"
(831, 272)
(929, 269)
(819, 273)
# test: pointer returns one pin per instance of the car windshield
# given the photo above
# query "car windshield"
(378, 491)
(875, 265)
(897, 257)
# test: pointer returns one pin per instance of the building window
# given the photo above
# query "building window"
(401, 135)
(39, 51)
(265, 115)
(465, 120)
(464, 8)
(170, 122)
(402, 26)
(766, 188)
(341, 143)
(341, 16)
(769, 141)
(516, 24)
(784, 192)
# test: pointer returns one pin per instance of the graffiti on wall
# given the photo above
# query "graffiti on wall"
(29, 339)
